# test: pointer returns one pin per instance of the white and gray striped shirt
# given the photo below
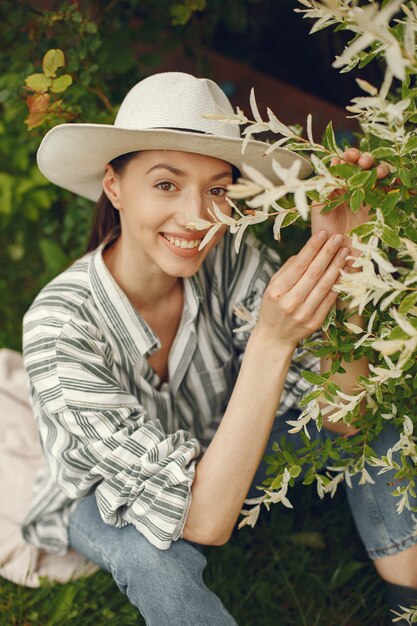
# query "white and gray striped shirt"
(105, 421)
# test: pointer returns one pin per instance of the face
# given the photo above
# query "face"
(154, 191)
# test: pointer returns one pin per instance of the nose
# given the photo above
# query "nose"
(194, 203)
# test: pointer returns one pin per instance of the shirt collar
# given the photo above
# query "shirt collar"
(121, 318)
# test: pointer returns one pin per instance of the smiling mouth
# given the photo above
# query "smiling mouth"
(182, 243)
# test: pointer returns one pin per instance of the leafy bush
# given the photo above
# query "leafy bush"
(72, 62)
(384, 287)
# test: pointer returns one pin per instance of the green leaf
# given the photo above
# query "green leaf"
(330, 139)
(38, 82)
(290, 218)
(314, 378)
(383, 152)
(52, 60)
(333, 387)
(343, 170)
(411, 145)
(345, 572)
(363, 230)
(390, 201)
(405, 177)
(309, 476)
(390, 237)
(277, 482)
(309, 397)
(295, 470)
(407, 302)
(356, 199)
(61, 83)
(359, 179)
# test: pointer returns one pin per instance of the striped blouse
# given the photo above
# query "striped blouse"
(105, 421)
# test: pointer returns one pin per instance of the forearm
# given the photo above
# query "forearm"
(345, 381)
(225, 472)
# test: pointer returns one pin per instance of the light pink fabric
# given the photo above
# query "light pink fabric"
(20, 457)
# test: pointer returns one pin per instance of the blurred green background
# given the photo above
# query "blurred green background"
(108, 47)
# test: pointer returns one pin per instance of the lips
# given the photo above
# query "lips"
(185, 244)
(178, 251)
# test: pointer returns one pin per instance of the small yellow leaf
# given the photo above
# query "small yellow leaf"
(51, 61)
(61, 83)
(38, 82)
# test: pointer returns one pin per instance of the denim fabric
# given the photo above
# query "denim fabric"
(383, 531)
(167, 585)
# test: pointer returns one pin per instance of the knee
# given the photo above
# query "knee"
(400, 568)
(135, 558)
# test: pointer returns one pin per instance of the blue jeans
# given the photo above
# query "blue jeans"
(167, 585)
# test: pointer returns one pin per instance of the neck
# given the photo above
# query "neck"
(145, 284)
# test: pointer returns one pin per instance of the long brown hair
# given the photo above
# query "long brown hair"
(106, 219)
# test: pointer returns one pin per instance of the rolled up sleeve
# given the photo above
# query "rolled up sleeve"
(96, 436)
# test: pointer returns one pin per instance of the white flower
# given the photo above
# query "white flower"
(374, 26)
(255, 175)
(409, 615)
(272, 497)
(407, 347)
(376, 108)
(235, 118)
(243, 189)
(342, 409)
(366, 478)
(247, 316)
(269, 497)
(311, 412)
(251, 516)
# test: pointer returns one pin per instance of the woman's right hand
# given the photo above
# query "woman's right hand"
(299, 296)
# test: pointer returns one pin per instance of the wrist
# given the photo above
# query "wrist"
(267, 343)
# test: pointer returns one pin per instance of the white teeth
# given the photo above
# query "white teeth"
(182, 243)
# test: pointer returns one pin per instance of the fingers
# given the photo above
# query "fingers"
(382, 170)
(363, 159)
(323, 293)
(366, 161)
(352, 155)
(322, 310)
(320, 276)
(290, 273)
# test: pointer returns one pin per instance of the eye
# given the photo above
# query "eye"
(165, 185)
(218, 191)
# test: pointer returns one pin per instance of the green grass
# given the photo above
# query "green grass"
(302, 567)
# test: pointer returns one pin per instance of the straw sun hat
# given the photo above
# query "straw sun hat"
(162, 112)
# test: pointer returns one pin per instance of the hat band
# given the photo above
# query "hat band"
(184, 130)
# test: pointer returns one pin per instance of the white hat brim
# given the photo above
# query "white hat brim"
(74, 156)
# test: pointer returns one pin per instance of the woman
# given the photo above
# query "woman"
(153, 415)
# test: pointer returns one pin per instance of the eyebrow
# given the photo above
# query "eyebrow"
(178, 172)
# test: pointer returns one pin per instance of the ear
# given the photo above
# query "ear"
(111, 186)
